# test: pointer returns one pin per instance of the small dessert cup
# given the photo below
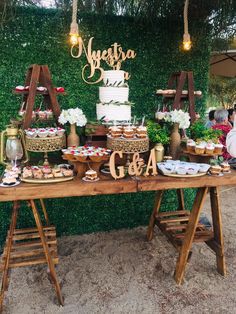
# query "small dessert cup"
(42, 133)
(218, 149)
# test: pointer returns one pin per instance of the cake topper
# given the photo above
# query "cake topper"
(113, 56)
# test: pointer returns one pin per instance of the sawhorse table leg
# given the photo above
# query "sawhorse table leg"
(189, 234)
(47, 252)
(5, 272)
(217, 243)
(13, 233)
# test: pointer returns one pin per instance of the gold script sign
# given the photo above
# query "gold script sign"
(113, 56)
(134, 168)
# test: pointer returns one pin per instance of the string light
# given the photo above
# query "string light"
(74, 28)
(187, 44)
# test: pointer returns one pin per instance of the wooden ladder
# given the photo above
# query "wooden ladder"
(38, 75)
(177, 81)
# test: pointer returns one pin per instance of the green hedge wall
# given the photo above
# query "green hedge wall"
(41, 36)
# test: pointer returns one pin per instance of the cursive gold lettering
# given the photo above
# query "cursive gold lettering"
(114, 56)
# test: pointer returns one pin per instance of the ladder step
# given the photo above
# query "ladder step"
(180, 227)
(31, 262)
(35, 235)
(173, 213)
(173, 220)
(30, 230)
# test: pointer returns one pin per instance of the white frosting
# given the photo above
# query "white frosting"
(113, 77)
(113, 112)
(108, 94)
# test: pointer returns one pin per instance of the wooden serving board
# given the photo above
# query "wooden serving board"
(43, 181)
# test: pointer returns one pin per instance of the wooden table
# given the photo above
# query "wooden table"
(187, 221)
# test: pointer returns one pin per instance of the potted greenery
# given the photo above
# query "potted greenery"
(159, 138)
(199, 132)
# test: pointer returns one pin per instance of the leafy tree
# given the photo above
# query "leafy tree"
(223, 89)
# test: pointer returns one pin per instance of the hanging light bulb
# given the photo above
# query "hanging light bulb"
(74, 28)
(187, 44)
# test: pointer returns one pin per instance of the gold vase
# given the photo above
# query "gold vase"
(175, 140)
(159, 152)
(73, 137)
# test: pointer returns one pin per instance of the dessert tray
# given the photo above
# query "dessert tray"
(182, 169)
(86, 157)
(53, 180)
(47, 174)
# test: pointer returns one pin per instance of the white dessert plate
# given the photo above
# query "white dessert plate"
(216, 175)
(105, 171)
(9, 186)
(87, 180)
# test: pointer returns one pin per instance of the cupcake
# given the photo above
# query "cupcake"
(42, 133)
(42, 115)
(200, 149)
(91, 175)
(225, 166)
(60, 131)
(191, 145)
(218, 148)
(215, 170)
(115, 131)
(52, 132)
(209, 149)
(31, 133)
(49, 114)
(128, 132)
(141, 131)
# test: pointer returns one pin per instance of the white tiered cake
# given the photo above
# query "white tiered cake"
(114, 97)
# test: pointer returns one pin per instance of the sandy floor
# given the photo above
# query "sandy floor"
(120, 272)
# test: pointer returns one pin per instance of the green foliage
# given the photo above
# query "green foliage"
(158, 134)
(41, 36)
(223, 89)
(216, 161)
(198, 131)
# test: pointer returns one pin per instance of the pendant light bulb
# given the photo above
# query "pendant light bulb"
(187, 44)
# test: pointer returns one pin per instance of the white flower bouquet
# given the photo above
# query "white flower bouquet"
(180, 117)
(73, 116)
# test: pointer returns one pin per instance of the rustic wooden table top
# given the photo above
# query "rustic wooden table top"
(107, 185)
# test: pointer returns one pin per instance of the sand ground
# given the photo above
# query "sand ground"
(120, 272)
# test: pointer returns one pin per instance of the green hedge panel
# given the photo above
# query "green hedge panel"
(41, 36)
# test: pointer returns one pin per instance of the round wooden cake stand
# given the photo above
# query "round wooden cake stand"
(199, 158)
(83, 163)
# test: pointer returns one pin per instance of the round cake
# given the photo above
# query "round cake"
(113, 96)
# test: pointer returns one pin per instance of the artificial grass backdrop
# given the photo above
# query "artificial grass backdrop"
(41, 36)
